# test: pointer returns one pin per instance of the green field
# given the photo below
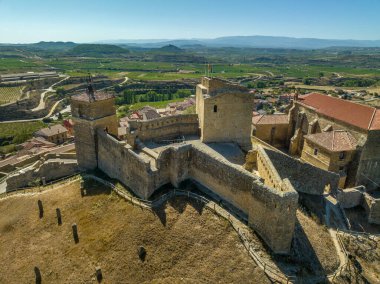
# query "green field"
(16, 133)
(152, 70)
(9, 94)
(161, 104)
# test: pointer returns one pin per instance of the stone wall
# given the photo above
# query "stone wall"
(93, 110)
(85, 143)
(368, 173)
(118, 160)
(50, 170)
(277, 137)
(350, 197)
(303, 176)
(143, 174)
(270, 212)
(227, 118)
(372, 206)
(163, 128)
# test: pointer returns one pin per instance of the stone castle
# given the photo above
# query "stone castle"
(205, 147)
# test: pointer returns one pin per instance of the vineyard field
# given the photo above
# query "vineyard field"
(9, 94)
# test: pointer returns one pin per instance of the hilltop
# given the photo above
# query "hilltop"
(97, 50)
(110, 232)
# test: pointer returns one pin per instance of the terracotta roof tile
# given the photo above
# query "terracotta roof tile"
(362, 116)
(50, 131)
(335, 141)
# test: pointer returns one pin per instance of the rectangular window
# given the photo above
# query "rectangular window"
(342, 155)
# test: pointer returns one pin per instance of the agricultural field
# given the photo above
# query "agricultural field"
(161, 104)
(10, 94)
(12, 134)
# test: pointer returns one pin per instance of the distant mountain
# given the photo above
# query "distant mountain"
(97, 50)
(253, 42)
(53, 45)
(170, 48)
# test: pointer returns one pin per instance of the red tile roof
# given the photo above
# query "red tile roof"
(362, 116)
(270, 119)
(335, 141)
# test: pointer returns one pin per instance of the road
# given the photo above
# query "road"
(125, 81)
(41, 105)
(50, 89)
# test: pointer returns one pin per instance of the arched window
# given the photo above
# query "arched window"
(215, 108)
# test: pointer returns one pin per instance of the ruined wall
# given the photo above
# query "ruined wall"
(303, 176)
(227, 118)
(164, 127)
(368, 173)
(50, 170)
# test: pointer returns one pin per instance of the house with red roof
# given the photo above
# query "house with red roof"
(337, 127)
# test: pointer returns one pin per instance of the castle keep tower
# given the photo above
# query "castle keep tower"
(224, 111)
(91, 110)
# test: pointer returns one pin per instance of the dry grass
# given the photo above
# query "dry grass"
(185, 243)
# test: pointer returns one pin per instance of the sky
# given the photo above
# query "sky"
(23, 21)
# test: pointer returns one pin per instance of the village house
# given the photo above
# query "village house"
(331, 151)
(55, 134)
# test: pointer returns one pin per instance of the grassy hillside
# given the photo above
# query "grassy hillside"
(94, 50)
(185, 243)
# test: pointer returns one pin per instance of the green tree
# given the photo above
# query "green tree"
(260, 84)
(307, 81)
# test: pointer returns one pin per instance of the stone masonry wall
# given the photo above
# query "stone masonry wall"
(369, 166)
(270, 212)
(117, 160)
(372, 207)
(303, 176)
(164, 128)
(226, 118)
(144, 174)
(50, 170)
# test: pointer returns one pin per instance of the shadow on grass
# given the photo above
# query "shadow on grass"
(303, 261)
(90, 187)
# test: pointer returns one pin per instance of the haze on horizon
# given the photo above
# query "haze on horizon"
(25, 21)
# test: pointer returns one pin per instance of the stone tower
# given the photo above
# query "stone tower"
(91, 110)
(224, 112)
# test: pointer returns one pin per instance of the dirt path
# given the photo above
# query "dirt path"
(41, 105)
(125, 81)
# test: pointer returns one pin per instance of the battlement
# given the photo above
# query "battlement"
(215, 86)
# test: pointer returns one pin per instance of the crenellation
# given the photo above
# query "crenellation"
(144, 169)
